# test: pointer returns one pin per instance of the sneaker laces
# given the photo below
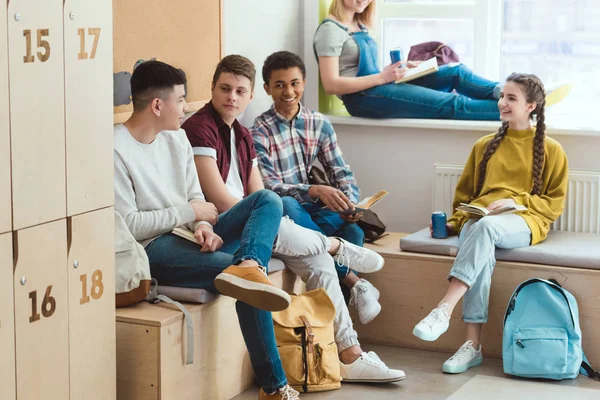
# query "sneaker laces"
(464, 353)
(372, 359)
(288, 393)
(345, 254)
(358, 296)
(437, 315)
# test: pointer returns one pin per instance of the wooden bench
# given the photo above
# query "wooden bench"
(151, 349)
(411, 284)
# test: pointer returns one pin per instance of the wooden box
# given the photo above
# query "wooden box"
(151, 349)
(412, 284)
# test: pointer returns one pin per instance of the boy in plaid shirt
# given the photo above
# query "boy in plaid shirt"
(288, 139)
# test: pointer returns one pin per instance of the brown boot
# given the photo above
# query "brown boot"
(251, 285)
(285, 393)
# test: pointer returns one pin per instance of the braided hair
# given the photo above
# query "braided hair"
(533, 88)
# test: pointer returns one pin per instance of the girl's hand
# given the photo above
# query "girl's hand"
(449, 228)
(501, 203)
(413, 64)
(392, 72)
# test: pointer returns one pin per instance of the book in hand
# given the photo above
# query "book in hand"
(185, 233)
(482, 211)
(425, 68)
(366, 203)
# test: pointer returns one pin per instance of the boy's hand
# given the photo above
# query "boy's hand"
(352, 217)
(333, 198)
(209, 240)
(205, 211)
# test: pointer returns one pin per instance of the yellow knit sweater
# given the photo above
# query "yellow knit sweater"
(509, 175)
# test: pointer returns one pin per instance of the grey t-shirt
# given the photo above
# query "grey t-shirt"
(333, 40)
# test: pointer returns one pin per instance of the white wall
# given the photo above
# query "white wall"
(401, 160)
(257, 28)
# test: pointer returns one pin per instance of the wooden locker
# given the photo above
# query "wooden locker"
(37, 112)
(7, 320)
(5, 199)
(41, 312)
(91, 260)
(88, 105)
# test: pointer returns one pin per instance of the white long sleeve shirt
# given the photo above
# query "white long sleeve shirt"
(154, 183)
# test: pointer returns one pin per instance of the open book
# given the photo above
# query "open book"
(425, 68)
(185, 233)
(367, 202)
(482, 211)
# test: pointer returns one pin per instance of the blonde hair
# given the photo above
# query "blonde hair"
(366, 17)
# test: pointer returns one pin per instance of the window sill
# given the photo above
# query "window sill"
(457, 125)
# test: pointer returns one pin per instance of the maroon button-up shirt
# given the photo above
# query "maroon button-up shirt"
(206, 129)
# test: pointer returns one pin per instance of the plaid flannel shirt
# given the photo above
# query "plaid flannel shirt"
(287, 150)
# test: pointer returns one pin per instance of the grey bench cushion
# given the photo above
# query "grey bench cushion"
(202, 296)
(567, 249)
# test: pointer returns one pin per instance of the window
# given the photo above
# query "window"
(555, 39)
(560, 42)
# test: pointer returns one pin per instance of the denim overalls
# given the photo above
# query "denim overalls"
(427, 97)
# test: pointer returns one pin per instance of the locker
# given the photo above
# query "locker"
(5, 200)
(91, 273)
(88, 105)
(41, 312)
(35, 55)
(7, 319)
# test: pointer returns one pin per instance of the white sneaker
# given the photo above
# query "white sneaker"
(369, 368)
(284, 393)
(364, 296)
(433, 325)
(358, 258)
(465, 358)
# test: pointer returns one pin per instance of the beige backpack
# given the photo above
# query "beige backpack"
(306, 342)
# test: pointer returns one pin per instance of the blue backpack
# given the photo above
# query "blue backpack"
(542, 337)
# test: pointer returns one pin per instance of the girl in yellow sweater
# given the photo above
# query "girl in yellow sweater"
(517, 165)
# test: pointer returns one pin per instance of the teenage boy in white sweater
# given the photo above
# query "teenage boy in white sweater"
(157, 189)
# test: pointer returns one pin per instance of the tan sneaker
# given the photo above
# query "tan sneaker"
(285, 393)
(251, 286)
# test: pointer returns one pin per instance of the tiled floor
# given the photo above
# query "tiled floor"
(425, 380)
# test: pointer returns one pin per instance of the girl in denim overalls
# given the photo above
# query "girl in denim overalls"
(372, 93)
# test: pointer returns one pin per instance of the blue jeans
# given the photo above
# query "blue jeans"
(476, 259)
(430, 97)
(329, 223)
(252, 225)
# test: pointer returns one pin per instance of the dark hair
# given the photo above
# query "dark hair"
(153, 79)
(282, 60)
(533, 88)
(237, 65)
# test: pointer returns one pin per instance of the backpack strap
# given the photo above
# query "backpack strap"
(587, 370)
(153, 297)
(310, 334)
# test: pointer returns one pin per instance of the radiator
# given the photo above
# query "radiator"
(582, 205)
